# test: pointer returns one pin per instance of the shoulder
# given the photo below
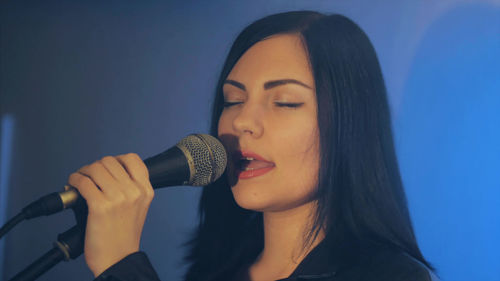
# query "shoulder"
(387, 265)
(397, 265)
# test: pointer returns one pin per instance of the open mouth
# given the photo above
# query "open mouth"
(248, 165)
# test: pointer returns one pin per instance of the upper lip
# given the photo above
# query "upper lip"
(243, 154)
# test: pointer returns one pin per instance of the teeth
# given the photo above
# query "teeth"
(249, 169)
(248, 158)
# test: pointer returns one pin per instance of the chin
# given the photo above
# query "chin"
(250, 198)
(259, 200)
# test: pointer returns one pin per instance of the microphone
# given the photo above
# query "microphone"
(196, 160)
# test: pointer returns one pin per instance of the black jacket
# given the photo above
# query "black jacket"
(319, 265)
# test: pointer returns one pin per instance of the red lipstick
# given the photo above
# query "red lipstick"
(252, 165)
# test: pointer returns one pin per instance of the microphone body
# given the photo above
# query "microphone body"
(169, 168)
(196, 160)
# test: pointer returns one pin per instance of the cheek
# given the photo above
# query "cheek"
(297, 138)
(300, 160)
(303, 164)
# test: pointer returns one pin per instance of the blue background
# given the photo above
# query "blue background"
(80, 80)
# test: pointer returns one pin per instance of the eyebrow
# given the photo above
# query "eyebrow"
(269, 84)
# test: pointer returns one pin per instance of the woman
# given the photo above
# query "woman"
(312, 189)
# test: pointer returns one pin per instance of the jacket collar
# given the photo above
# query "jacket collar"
(320, 264)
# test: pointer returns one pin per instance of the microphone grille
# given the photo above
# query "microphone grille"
(206, 157)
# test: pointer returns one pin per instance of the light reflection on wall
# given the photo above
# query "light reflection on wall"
(7, 131)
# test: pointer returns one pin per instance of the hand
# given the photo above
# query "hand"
(118, 195)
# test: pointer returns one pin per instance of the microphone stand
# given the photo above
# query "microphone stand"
(69, 245)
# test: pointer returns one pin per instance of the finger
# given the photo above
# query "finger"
(86, 187)
(138, 171)
(116, 169)
(135, 167)
(102, 178)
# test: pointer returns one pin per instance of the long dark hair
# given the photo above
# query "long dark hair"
(361, 201)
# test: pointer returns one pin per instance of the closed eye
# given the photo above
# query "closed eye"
(291, 105)
(229, 104)
(279, 104)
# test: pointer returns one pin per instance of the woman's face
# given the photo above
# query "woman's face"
(269, 126)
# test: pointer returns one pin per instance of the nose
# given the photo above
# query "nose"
(249, 120)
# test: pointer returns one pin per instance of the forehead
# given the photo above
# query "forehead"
(278, 57)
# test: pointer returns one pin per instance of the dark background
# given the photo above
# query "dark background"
(81, 79)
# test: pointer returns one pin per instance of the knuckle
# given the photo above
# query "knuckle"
(96, 167)
(135, 195)
(137, 164)
(145, 170)
(83, 181)
(119, 198)
(136, 159)
(150, 194)
(84, 168)
(141, 167)
(107, 159)
(150, 197)
(73, 178)
(133, 156)
(127, 157)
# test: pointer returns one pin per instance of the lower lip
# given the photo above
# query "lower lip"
(253, 173)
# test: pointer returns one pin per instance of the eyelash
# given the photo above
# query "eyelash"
(279, 104)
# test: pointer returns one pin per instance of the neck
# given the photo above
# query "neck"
(283, 242)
